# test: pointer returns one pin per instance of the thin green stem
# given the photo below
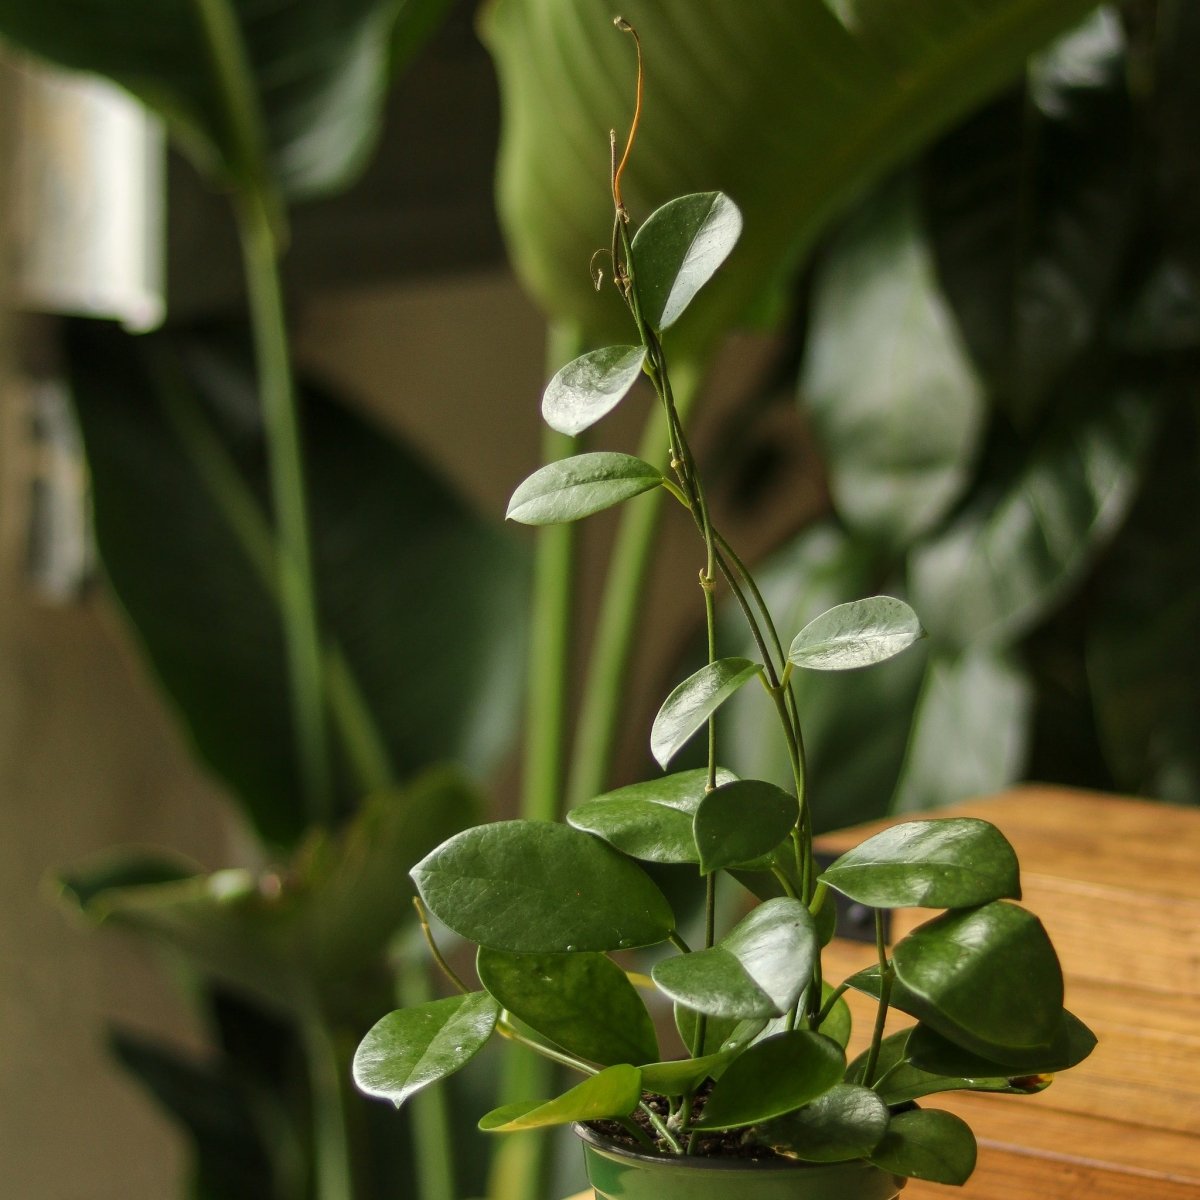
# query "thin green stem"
(826, 1008)
(435, 950)
(297, 589)
(885, 994)
(678, 942)
(329, 1077)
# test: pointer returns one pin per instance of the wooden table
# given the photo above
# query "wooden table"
(1117, 884)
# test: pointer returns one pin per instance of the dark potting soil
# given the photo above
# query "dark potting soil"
(732, 1143)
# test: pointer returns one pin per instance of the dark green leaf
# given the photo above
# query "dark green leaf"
(955, 862)
(174, 443)
(1030, 207)
(652, 820)
(581, 1002)
(1072, 1042)
(789, 109)
(721, 1034)
(289, 90)
(414, 1047)
(534, 887)
(1005, 562)
(580, 486)
(856, 634)
(927, 1144)
(895, 402)
(986, 978)
(1142, 655)
(590, 387)
(757, 970)
(681, 1077)
(614, 1092)
(687, 708)
(900, 1082)
(979, 702)
(741, 821)
(678, 250)
(773, 1077)
(845, 1122)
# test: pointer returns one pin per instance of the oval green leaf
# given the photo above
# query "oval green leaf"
(651, 820)
(590, 387)
(986, 978)
(536, 887)
(686, 709)
(856, 634)
(580, 486)
(927, 1144)
(614, 1092)
(900, 1082)
(413, 1047)
(773, 1077)
(1073, 1041)
(581, 1002)
(740, 821)
(678, 249)
(953, 862)
(757, 970)
(682, 1076)
(844, 1123)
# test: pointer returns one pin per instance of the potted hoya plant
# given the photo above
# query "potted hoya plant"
(762, 1102)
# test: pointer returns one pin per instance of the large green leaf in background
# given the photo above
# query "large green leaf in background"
(312, 928)
(421, 600)
(1030, 206)
(894, 400)
(288, 91)
(788, 106)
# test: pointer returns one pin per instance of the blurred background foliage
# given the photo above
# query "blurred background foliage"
(972, 247)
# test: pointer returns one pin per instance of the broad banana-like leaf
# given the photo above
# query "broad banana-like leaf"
(174, 446)
(788, 106)
(314, 927)
(286, 94)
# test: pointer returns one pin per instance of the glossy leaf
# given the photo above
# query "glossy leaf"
(580, 486)
(175, 455)
(1030, 208)
(856, 634)
(306, 929)
(979, 701)
(844, 1123)
(1072, 1042)
(690, 705)
(678, 250)
(1005, 562)
(741, 821)
(927, 1144)
(955, 862)
(985, 977)
(651, 820)
(773, 1077)
(414, 1047)
(590, 387)
(290, 90)
(581, 1002)
(614, 1092)
(895, 403)
(535, 887)
(682, 1076)
(757, 970)
(803, 107)
(900, 1082)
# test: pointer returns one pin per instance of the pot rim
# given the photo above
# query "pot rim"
(696, 1162)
